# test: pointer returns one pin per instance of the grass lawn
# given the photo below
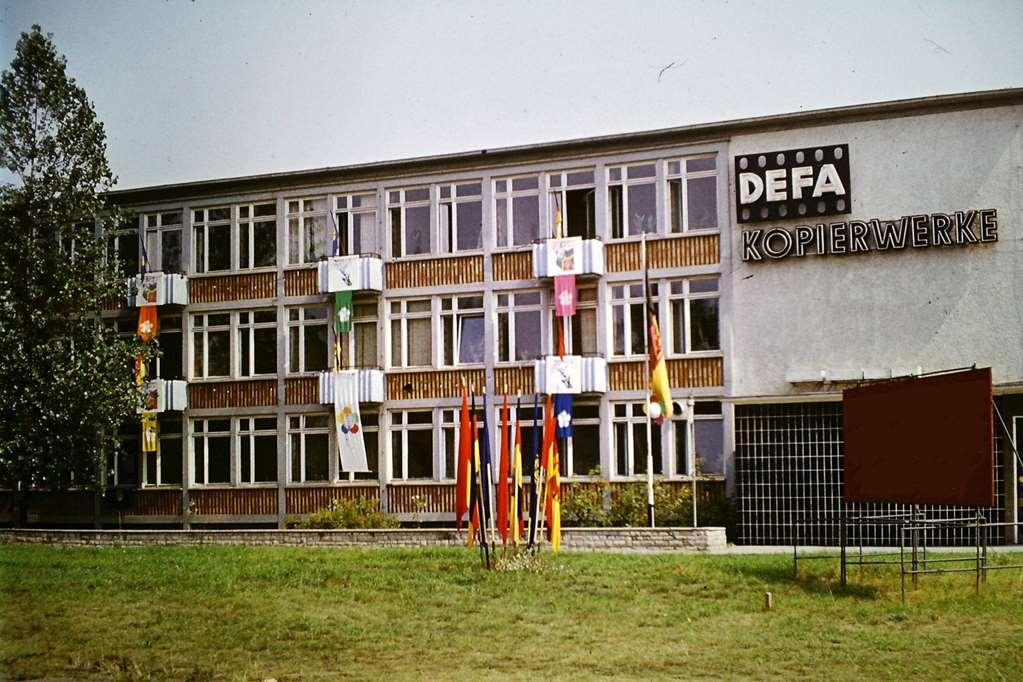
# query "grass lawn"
(254, 613)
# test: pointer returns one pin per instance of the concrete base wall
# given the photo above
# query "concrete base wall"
(639, 540)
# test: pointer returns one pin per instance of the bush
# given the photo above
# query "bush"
(588, 507)
(341, 513)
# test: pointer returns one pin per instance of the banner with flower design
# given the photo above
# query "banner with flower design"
(348, 423)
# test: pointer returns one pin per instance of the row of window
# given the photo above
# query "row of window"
(438, 331)
(436, 218)
(421, 444)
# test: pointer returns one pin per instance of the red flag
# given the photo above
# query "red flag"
(463, 481)
(549, 457)
(504, 470)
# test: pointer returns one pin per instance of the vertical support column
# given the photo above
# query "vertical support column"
(187, 364)
(282, 360)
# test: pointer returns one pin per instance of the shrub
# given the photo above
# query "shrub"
(342, 513)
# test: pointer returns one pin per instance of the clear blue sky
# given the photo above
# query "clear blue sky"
(197, 90)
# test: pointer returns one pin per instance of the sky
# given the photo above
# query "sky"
(201, 90)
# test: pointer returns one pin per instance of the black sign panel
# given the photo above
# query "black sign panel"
(796, 183)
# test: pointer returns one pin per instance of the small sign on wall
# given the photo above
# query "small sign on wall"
(793, 184)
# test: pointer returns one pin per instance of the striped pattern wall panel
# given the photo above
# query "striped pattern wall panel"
(434, 272)
(678, 252)
(225, 288)
(682, 373)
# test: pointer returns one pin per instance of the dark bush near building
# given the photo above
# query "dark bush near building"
(358, 513)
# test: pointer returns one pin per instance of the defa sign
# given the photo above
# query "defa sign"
(797, 183)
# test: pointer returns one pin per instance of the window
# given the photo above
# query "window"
(628, 331)
(462, 326)
(371, 437)
(411, 338)
(211, 345)
(307, 230)
(517, 210)
(163, 467)
(257, 342)
(359, 347)
(163, 241)
(168, 362)
(632, 200)
(307, 339)
(412, 451)
(709, 428)
(211, 451)
(693, 305)
(573, 192)
(460, 217)
(409, 215)
(356, 218)
(257, 449)
(257, 236)
(123, 247)
(580, 454)
(518, 326)
(692, 194)
(629, 423)
(123, 461)
(309, 447)
(211, 239)
(582, 330)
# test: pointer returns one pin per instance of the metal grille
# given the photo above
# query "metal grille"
(788, 463)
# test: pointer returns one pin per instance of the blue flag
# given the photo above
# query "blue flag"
(563, 415)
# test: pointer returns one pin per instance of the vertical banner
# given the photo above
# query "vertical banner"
(563, 415)
(150, 432)
(350, 444)
(564, 295)
(343, 312)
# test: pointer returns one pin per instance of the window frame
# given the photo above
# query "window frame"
(456, 314)
(508, 195)
(301, 323)
(204, 328)
(448, 198)
(251, 326)
(298, 210)
(627, 302)
(250, 431)
(402, 317)
(625, 182)
(156, 227)
(205, 224)
(679, 459)
(247, 225)
(681, 176)
(561, 187)
(302, 431)
(344, 206)
(229, 435)
(687, 297)
(509, 309)
(361, 319)
(163, 435)
(397, 201)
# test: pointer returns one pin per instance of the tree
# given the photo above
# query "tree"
(65, 377)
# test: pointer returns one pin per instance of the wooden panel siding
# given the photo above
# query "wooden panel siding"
(517, 265)
(423, 498)
(301, 282)
(313, 498)
(515, 380)
(252, 393)
(434, 272)
(682, 373)
(234, 501)
(678, 252)
(232, 287)
(302, 391)
(432, 384)
(156, 502)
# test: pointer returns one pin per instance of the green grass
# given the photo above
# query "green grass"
(253, 613)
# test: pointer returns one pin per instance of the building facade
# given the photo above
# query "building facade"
(764, 318)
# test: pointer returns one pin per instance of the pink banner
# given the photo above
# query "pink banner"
(564, 295)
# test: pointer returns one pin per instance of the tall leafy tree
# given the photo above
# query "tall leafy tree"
(65, 377)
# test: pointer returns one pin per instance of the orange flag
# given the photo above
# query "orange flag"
(463, 482)
(504, 471)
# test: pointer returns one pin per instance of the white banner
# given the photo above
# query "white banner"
(564, 375)
(564, 256)
(347, 422)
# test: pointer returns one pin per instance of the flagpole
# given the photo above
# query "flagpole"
(649, 428)
(691, 442)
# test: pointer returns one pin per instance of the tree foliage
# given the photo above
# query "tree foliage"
(65, 377)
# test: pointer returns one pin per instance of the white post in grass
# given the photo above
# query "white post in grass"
(649, 403)
(691, 447)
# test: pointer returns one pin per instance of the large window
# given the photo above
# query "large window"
(211, 239)
(309, 447)
(692, 194)
(307, 230)
(460, 217)
(163, 241)
(580, 454)
(409, 217)
(709, 428)
(167, 363)
(211, 345)
(412, 451)
(123, 247)
(359, 347)
(163, 467)
(519, 336)
(630, 449)
(694, 315)
(517, 210)
(123, 461)
(627, 329)
(463, 327)
(632, 200)
(211, 451)
(573, 193)
(257, 235)
(581, 338)
(356, 220)
(307, 339)
(257, 449)
(411, 336)
(257, 342)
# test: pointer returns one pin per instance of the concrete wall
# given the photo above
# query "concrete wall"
(936, 308)
(639, 540)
